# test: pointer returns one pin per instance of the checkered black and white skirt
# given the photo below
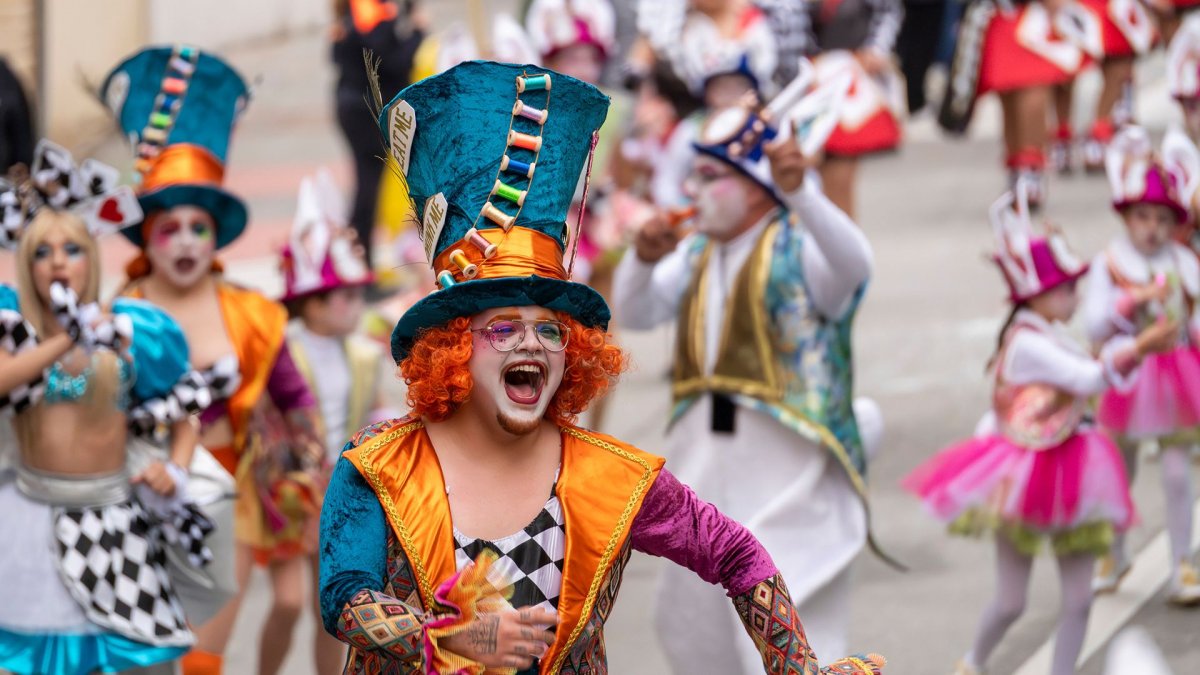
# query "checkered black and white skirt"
(109, 562)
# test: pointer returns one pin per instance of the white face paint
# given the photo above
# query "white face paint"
(517, 386)
(721, 198)
(181, 245)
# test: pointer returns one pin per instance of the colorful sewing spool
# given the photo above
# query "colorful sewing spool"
(498, 217)
(174, 85)
(183, 66)
(478, 240)
(460, 261)
(520, 140)
(509, 192)
(156, 135)
(533, 82)
(521, 109)
(445, 279)
(513, 166)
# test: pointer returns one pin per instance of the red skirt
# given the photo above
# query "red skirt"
(1125, 26)
(1021, 50)
(871, 113)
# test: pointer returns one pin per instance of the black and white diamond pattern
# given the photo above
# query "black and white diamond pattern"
(531, 560)
(17, 335)
(114, 567)
(195, 391)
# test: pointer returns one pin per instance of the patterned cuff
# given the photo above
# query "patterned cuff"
(374, 621)
(769, 616)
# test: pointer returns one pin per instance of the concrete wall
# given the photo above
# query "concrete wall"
(82, 40)
(216, 24)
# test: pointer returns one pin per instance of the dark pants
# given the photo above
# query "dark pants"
(366, 145)
(917, 46)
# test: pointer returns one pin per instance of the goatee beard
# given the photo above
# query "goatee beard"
(517, 427)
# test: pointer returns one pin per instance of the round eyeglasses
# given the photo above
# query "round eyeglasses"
(506, 335)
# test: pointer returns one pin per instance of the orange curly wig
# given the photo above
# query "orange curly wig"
(439, 379)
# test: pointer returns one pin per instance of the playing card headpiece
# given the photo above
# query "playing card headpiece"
(178, 107)
(88, 190)
(1137, 175)
(554, 25)
(1032, 262)
(322, 252)
(738, 134)
(491, 154)
(698, 51)
(1183, 60)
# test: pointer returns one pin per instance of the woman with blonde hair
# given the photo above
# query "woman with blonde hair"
(85, 385)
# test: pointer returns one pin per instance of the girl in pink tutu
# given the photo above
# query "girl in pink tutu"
(1036, 471)
(1141, 277)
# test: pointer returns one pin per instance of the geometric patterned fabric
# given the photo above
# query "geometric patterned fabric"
(771, 620)
(114, 565)
(17, 335)
(530, 561)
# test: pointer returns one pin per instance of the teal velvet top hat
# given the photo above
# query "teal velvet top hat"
(492, 154)
(178, 106)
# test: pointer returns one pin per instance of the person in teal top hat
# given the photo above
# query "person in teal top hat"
(179, 106)
(91, 501)
(181, 148)
(489, 484)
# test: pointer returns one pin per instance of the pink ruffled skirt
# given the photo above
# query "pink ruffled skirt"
(1164, 399)
(1080, 483)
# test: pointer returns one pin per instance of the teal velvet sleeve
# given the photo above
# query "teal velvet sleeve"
(353, 548)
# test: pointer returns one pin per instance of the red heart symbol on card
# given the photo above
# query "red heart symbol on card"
(111, 211)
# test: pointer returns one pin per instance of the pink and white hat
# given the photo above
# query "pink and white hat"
(1137, 176)
(1032, 263)
(554, 25)
(322, 254)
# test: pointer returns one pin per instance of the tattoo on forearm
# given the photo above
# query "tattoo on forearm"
(482, 634)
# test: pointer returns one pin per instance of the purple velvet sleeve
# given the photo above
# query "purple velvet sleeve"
(677, 525)
(286, 385)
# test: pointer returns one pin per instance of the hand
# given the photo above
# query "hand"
(655, 239)
(165, 479)
(1159, 337)
(508, 639)
(1150, 293)
(64, 303)
(872, 60)
(788, 164)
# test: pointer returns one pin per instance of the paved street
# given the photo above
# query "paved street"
(927, 327)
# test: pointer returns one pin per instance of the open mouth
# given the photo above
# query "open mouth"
(523, 382)
(185, 265)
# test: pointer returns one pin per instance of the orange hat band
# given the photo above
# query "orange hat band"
(182, 163)
(520, 252)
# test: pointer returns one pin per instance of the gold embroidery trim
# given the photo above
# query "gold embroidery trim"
(606, 558)
(410, 549)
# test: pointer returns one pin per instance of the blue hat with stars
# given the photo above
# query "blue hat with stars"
(492, 154)
(178, 106)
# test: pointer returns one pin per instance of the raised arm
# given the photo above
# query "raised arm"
(837, 257)
(675, 524)
(652, 277)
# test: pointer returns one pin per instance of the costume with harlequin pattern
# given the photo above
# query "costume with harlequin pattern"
(95, 583)
(397, 577)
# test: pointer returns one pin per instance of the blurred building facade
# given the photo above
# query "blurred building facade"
(60, 47)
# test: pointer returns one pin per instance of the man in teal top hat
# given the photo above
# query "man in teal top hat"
(486, 531)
